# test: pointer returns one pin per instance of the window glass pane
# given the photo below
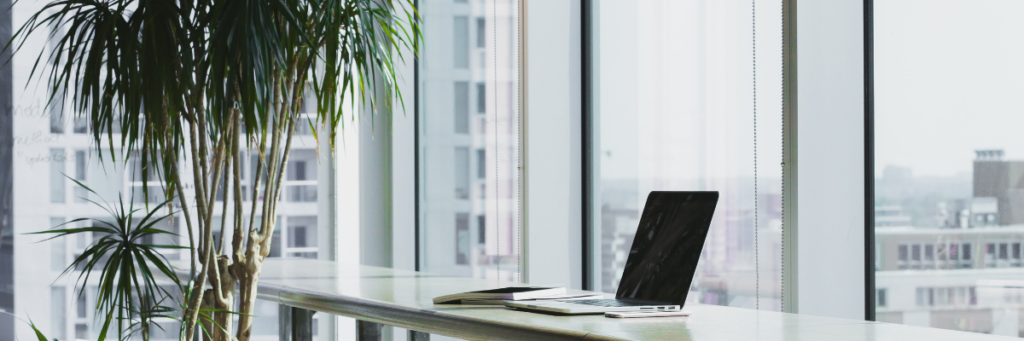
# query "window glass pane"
(57, 175)
(58, 248)
(460, 42)
(56, 118)
(81, 124)
(675, 112)
(469, 181)
(58, 313)
(481, 32)
(301, 179)
(481, 98)
(81, 194)
(461, 107)
(481, 164)
(461, 173)
(948, 159)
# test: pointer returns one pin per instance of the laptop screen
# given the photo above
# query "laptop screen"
(667, 246)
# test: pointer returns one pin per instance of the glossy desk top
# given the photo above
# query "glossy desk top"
(404, 299)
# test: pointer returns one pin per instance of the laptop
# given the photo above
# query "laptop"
(661, 263)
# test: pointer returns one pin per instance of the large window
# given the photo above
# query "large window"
(674, 86)
(468, 91)
(949, 214)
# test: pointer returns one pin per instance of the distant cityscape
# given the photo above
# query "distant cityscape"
(948, 250)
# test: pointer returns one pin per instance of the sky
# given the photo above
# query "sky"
(949, 79)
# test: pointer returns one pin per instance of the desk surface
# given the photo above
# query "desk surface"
(403, 298)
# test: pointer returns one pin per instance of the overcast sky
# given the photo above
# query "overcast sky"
(949, 79)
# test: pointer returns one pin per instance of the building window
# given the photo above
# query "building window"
(481, 164)
(81, 331)
(902, 256)
(56, 118)
(481, 32)
(58, 311)
(58, 248)
(57, 182)
(81, 307)
(301, 184)
(462, 238)
(481, 98)
(81, 194)
(965, 255)
(461, 173)
(929, 256)
(990, 255)
(1015, 254)
(915, 256)
(81, 124)
(461, 107)
(880, 297)
(460, 42)
(481, 225)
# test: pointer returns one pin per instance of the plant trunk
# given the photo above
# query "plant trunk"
(224, 302)
(209, 302)
(247, 297)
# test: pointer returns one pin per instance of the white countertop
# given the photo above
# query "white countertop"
(404, 298)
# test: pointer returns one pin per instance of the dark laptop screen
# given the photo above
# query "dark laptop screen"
(667, 246)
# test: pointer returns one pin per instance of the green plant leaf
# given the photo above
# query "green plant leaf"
(127, 285)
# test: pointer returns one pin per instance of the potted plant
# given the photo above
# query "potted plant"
(191, 85)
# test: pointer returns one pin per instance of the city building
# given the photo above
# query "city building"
(964, 273)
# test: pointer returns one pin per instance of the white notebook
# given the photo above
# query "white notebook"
(500, 294)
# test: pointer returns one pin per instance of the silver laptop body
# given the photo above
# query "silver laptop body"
(661, 262)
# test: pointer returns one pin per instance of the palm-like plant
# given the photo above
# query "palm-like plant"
(128, 293)
(201, 81)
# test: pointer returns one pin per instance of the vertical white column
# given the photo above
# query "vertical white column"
(553, 233)
(829, 159)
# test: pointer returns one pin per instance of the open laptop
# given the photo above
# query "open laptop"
(661, 263)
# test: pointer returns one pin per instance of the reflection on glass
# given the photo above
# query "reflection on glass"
(468, 139)
(949, 195)
(674, 111)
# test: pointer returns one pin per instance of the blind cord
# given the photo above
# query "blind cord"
(782, 197)
(497, 223)
(519, 159)
(757, 263)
